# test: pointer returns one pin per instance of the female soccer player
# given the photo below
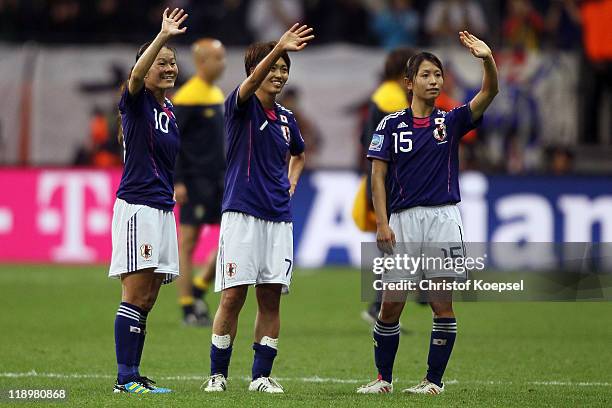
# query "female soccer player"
(418, 148)
(145, 250)
(256, 237)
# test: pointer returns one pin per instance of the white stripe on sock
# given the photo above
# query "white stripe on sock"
(124, 315)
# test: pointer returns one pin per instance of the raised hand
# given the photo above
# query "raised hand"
(171, 22)
(477, 47)
(296, 38)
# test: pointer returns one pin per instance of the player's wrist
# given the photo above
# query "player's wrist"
(163, 35)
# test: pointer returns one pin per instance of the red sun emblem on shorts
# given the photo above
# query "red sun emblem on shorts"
(230, 269)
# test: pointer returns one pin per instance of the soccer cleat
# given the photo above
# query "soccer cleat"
(378, 386)
(370, 315)
(266, 384)
(150, 384)
(215, 383)
(193, 320)
(200, 307)
(141, 385)
(425, 387)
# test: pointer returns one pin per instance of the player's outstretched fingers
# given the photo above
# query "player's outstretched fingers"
(301, 29)
(182, 20)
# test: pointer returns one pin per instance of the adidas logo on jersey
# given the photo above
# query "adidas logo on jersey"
(402, 125)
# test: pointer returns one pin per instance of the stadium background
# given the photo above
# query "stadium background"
(538, 172)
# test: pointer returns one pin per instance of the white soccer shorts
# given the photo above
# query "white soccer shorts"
(143, 237)
(431, 233)
(253, 251)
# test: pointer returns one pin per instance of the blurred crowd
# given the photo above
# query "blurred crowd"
(529, 24)
(517, 26)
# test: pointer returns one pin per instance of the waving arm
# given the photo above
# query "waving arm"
(170, 28)
(295, 39)
(490, 86)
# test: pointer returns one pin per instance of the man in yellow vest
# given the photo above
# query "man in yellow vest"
(200, 171)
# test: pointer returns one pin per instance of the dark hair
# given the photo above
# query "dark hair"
(257, 52)
(146, 45)
(412, 67)
(395, 64)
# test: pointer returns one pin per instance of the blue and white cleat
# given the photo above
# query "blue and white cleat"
(141, 385)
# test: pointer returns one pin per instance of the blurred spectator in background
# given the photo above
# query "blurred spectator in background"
(445, 18)
(290, 99)
(596, 70)
(269, 19)
(340, 21)
(100, 150)
(563, 24)
(64, 17)
(396, 23)
(523, 26)
(8, 19)
(559, 160)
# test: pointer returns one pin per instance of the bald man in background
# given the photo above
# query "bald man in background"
(200, 171)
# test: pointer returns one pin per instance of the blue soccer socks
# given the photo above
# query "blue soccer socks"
(265, 352)
(128, 337)
(443, 336)
(386, 342)
(143, 333)
(220, 354)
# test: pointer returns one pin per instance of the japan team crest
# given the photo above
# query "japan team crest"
(146, 251)
(439, 132)
(230, 269)
(286, 133)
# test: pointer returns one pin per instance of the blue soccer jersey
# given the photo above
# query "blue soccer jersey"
(423, 155)
(258, 141)
(151, 143)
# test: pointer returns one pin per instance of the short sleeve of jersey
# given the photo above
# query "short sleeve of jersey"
(232, 109)
(131, 103)
(380, 144)
(296, 144)
(461, 120)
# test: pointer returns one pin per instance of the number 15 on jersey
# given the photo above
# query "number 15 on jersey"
(402, 143)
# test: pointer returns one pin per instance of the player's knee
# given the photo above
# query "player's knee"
(232, 301)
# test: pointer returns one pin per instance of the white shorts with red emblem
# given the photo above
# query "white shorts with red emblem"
(253, 251)
(143, 237)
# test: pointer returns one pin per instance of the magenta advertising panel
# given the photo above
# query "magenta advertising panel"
(63, 216)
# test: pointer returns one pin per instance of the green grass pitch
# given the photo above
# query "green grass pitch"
(56, 332)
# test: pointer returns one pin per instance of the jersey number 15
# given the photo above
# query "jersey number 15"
(402, 139)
